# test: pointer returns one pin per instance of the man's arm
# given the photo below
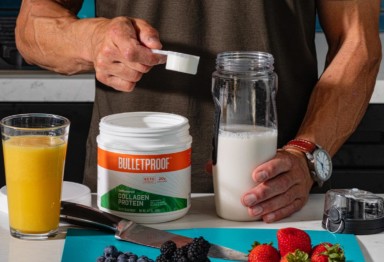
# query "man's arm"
(337, 104)
(49, 34)
(343, 91)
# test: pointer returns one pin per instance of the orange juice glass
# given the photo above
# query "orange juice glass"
(34, 149)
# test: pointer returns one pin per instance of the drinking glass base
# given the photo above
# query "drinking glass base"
(35, 236)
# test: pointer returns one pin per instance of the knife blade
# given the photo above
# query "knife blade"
(130, 231)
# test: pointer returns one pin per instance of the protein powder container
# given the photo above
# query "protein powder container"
(144, 166)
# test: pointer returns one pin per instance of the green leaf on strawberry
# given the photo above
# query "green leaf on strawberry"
(297, 256)
(327, 252)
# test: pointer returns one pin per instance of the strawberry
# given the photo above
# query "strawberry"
(327, 252)
(296, 256)
(289, 239)
(263, 253)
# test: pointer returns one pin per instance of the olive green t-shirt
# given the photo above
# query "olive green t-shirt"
(284, 28)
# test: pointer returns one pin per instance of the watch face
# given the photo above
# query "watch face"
(323, 164)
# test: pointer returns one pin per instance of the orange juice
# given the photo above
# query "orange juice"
(34, 168)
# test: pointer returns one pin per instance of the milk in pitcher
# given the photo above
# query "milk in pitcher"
(242, 148)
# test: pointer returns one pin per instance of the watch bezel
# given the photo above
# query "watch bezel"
(316, 153)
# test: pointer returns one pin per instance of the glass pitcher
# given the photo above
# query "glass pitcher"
(244, 87)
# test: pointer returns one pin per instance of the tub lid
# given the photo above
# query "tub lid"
(143, 122)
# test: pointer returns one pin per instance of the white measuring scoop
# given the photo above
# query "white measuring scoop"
(179, 62)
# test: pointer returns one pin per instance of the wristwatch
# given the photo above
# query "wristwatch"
(319, 161)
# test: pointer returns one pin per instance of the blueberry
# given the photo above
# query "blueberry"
(122, 258)
(110, 252)
(141, 259)
(132, 257)
(144, 259)
(100, 259)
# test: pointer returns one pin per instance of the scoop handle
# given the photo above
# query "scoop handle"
(160, 52)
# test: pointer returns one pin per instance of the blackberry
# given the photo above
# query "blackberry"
(163, 258)
(204, 244)
(198, 250)
(181, 254)
(181, 259)
(168, 248)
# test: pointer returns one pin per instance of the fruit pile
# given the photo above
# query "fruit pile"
(112, 254)
(294, 245)
(196, 251)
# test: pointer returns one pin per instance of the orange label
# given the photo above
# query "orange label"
(144, 163)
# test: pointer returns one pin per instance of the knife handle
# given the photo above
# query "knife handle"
(83, 215)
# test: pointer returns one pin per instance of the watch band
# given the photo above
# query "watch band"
(302, 145)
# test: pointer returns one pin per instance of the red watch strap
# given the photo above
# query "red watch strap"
(302, 145)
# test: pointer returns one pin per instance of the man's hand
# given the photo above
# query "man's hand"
(282, 187)
(121, 51)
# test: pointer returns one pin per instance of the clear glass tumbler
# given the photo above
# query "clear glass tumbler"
(34, 148)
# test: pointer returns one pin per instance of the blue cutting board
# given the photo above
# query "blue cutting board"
(86, 245)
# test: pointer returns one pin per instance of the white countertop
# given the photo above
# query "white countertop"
(201, 215)
(45, 86)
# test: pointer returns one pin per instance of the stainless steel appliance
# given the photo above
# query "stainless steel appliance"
(10, 58)
(353, 211)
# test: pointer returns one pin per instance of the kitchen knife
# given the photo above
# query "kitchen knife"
(126, 230)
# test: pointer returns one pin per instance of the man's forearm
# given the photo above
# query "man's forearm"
(340, 99)
(50, 35)
(343, 91)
